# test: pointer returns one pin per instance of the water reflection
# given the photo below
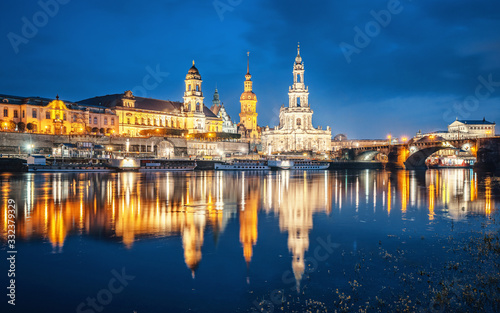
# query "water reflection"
(125, 207)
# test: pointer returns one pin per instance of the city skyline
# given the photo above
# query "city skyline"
(409, 73)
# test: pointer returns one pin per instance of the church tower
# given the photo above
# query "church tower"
(193, 101)
(248, 100)
(298, 93)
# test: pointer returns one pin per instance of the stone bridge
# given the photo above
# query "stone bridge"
(412, 155)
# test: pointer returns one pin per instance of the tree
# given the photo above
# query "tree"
(88, 129)
(102, 130)
(95, 130)
(21, 126)
(11, 125)
(109, 130)
(30, 126)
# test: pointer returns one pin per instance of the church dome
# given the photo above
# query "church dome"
(193, 73)
(248, 95)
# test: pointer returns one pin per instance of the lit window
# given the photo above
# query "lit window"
(5, 112)
(15, 114)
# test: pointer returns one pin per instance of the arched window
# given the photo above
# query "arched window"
(198, 107)
(105, 121)
(298, 101)
(298, 78)
(189, 88)
(299, 123)
(197, 87)
(189, 107)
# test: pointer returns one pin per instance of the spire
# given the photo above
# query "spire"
(216, 100)
(248, 62)
(248, 76)
(57, 97)
(298, 58)
(193, 62)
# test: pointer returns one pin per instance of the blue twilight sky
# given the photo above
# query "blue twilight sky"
(421, 65)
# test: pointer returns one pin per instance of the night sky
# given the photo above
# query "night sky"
(429, 62)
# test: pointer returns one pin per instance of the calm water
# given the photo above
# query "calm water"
(230, 242)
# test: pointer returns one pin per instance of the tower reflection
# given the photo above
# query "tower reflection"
(123, 207)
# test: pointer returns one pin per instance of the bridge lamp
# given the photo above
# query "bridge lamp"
(404, 139)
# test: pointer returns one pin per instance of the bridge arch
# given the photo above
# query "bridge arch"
(368, 155)
(417, 159)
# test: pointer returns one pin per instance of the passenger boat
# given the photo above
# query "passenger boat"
(298, 164)
(63, 168)
(158, 165)
(243, 165)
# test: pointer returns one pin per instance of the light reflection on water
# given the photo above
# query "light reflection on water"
(127, 207)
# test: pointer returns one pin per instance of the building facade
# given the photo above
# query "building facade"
(295, 131)
(54, 116)
(137, 114)
(464, 129)
(220, 111)
(471, 129)
(248, 127)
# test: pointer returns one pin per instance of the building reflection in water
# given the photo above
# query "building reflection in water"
(124, 207)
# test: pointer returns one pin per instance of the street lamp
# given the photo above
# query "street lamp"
(389, 137)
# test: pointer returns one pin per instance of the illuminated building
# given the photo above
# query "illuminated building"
(248, 117)
(138, 114)
(464, 129)
(460, 129)
(54, 117)
(295, 131)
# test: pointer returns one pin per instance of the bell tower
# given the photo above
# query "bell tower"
(248, 100)
(193, 96)
(298, 94)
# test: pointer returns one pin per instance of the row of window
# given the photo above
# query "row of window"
(34, 114)
(480, 127)
(151, 122)
(95, 120)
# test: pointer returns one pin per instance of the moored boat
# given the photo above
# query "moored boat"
(243, 165)
(64, 168)
(157, 165)
(299, 164)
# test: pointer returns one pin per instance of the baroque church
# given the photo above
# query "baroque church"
(295, 132)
